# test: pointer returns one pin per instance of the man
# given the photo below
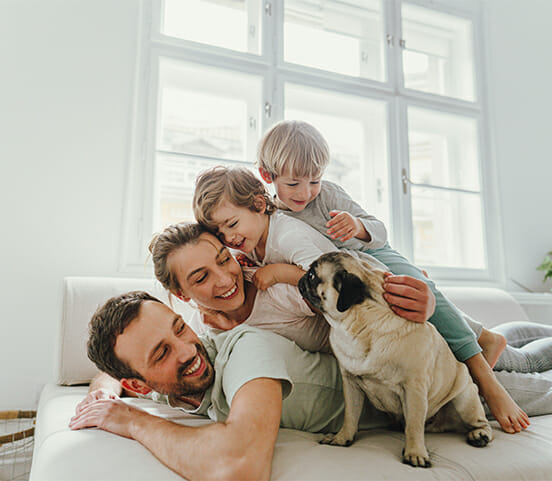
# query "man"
(262, 381)
(249, 381)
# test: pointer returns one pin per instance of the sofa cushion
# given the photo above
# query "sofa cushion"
(82, 296)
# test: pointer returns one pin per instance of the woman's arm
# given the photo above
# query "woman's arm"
(239, 448)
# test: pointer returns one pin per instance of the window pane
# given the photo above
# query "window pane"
(233, 24)
(176, 177)
(443, 149)
(448, 229)
(355, 129)
(206, 117)
(438, 57)
(345, 37)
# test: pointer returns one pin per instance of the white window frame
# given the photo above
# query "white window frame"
(138, 215)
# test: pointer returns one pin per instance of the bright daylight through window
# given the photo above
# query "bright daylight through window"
(394, 86)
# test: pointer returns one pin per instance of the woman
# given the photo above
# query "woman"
(193, 264)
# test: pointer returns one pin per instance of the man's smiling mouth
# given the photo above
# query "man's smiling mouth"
(195, 366)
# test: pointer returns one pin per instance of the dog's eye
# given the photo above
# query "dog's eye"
(311, 276)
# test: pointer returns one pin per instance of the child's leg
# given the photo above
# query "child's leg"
(529, 349)
(492, 343)
(447, 318)
(450, 322)
(510, 416)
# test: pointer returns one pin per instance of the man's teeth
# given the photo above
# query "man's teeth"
(194, 368)
(229, 293)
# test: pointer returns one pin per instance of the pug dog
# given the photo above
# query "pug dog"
(405, 368)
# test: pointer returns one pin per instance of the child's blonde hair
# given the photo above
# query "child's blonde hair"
(237, 185)
(293, 147)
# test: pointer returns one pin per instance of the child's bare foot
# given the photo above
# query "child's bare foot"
(510, 416)
(493, 344)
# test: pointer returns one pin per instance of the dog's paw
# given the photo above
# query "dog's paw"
(479, 437)
(418, 460)
(336, 440)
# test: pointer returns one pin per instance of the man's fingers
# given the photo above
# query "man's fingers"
(405, 280)
(402, 302)
(413, 316)
(402, 290)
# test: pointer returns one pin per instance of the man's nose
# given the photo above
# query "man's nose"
(185, 351)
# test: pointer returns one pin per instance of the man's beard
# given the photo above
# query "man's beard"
(186, 386)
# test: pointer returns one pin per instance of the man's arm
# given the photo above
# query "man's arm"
(107, 383)
(239, 448)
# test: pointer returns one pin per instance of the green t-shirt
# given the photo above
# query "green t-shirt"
(311, 382)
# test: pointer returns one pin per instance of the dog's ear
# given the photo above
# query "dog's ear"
(351, 290)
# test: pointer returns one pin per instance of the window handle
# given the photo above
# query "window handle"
(406, 181)
(268, 109)
(390, 39)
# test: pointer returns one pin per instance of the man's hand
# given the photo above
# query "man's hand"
(409, 297)
(344, 226)
(266, 276)
(111, 415)
(96, 395)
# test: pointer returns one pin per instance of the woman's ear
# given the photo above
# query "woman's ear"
(265, 175)
(260, 204)
(181, 296)
(135, 385)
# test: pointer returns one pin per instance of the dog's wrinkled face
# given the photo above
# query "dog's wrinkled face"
(337, 281)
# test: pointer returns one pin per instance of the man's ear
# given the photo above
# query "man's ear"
(265, 175)
(351, 290)
(260, 204)
(135, 385)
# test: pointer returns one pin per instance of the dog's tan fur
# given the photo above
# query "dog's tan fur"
(405, 368)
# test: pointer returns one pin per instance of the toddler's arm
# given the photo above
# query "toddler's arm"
(344, 226)
(274, 273)
(368, 228)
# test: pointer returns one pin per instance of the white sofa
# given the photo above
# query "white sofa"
(92, 454)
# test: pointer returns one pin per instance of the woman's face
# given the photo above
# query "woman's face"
(208, 274)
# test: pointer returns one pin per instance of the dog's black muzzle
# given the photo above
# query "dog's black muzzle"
(307, 287)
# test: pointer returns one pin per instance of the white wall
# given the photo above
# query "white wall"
(66, 83)
(520, 87)
(66, 78)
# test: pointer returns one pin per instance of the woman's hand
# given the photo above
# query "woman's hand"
(409, 297)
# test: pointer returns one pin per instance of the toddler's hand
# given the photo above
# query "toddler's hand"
(265, 277)
(216, 319)
(343, 226)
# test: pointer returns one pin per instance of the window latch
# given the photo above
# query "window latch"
(268, 109)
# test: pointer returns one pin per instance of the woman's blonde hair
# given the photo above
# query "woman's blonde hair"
(293, 147)
(165, 243)
(237, 185)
